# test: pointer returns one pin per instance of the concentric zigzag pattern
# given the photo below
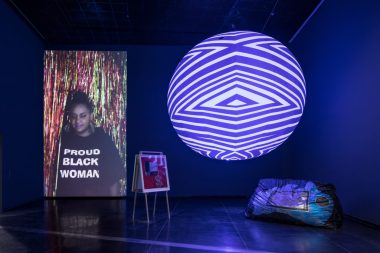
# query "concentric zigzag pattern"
(236, 95)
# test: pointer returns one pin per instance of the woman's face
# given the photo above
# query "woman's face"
(80, 118)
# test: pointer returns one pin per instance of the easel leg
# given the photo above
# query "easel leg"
(146, 205)
(167, 204)
(154, 205)
(134, 207)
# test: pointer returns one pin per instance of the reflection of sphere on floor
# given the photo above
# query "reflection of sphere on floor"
(236, 96)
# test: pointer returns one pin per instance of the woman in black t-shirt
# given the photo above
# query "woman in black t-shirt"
(89, 163)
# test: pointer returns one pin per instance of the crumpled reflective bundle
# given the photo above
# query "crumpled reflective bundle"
(296, 201)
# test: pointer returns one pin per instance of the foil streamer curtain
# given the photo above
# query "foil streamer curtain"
(100, 74)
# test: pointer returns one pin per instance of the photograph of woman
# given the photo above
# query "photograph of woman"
(85, 107)
(89, 163)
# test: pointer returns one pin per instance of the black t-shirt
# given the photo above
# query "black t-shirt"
(89, 166)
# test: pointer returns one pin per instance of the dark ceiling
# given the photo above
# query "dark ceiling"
(160, 21)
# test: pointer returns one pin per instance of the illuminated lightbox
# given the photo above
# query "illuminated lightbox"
(236, 95)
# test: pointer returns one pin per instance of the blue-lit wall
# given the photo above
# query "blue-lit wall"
(338, 140)
(148, 128)
(21, 112)
(339, 137)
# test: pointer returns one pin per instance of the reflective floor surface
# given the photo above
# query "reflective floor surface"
(196, 225)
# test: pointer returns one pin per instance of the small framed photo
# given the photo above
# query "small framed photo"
(152, 172)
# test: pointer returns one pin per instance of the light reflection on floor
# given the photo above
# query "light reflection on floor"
(196, 225)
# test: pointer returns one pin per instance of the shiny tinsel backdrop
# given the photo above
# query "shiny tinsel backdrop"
(100, 74)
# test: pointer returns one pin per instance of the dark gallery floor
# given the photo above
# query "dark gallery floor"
(196, 225)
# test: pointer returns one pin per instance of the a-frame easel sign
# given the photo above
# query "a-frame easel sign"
(150, 175)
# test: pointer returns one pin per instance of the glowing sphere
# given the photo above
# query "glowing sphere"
(236, 95)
